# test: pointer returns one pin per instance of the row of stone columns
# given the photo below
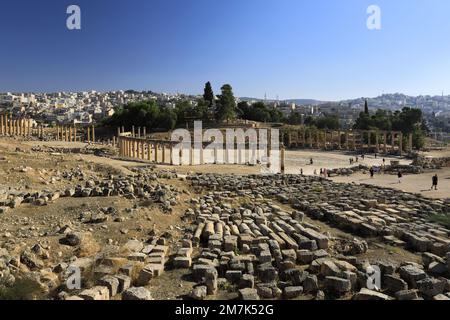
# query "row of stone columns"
(70, 133)
(148, 150)
(354, 140)
(66, 133)
(17, 127)
(145, 150)
(137, 131)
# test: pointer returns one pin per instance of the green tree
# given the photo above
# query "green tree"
(142, 114)
(208, 95)
(295, 118)
(202, 110)
(408, 121)
(167, 118)
(242, 109)
(328, 122)
(226, 109)
(366, 107)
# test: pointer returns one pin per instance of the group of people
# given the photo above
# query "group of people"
(326, 173)
(323, 173)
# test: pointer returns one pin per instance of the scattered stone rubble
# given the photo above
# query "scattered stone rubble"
(143, 186)
(263, 251)
(431, 163)
(249, 236)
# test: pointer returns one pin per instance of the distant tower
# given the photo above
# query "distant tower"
(265, 96)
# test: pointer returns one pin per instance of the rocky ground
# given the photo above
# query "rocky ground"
(135, 231)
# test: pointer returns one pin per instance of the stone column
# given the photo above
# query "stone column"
(132, 131)
(29, 127)
(400, 143)
(171, 154)
(88, 134)
(392, 141)
(282, 157)
(164, 154)
(1, 124)
(138, 149)
(331, 139)
(93, 133)
(131, 142)
(215, 155)
(410, 142)
(9, 121)
(145, 132)
(149, 151)
(304, 137)
(346, 141)
(317, 140)
(377, 144)
(139, 132)
(57, 133)
(385, 142)
(156, 152)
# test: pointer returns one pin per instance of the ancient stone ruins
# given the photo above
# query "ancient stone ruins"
(251, 237)
(99, 230)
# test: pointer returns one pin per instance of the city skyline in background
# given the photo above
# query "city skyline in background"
(285, 49)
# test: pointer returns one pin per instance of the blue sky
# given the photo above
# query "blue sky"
(291, 48)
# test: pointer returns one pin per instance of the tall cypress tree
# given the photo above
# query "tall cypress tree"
(366, 107)
(208, 94)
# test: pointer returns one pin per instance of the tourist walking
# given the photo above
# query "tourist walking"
(434, 182)
(399, 175)
(372, 171)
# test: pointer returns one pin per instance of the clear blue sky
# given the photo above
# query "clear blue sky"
(292, 48)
